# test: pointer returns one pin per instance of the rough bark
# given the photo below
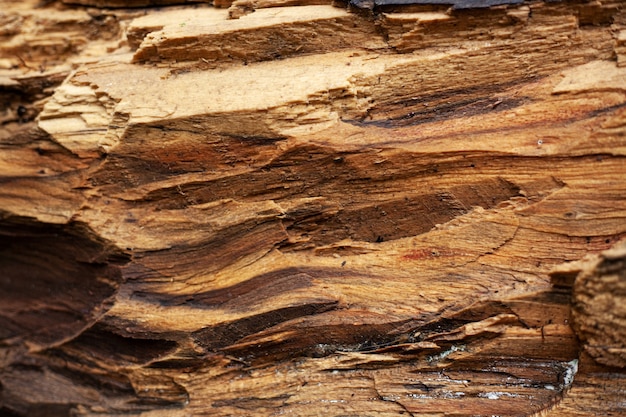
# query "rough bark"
(274, 207)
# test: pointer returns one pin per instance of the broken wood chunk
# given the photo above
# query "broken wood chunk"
(210, 39)
(599, 296)
(131, 3)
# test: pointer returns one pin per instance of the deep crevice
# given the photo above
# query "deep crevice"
(54, 279)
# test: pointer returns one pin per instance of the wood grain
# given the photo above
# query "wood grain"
(299, 208)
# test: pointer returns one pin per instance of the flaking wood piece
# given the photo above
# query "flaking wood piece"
(297, 207)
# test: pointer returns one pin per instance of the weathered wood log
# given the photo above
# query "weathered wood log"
(281, 207)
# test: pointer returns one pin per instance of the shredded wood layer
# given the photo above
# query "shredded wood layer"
(268, 207)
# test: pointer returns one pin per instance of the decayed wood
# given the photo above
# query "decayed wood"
(598, 304)
(296, 207)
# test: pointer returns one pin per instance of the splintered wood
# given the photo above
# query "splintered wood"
(292, 207)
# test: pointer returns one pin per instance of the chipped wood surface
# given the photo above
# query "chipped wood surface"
(279, 207)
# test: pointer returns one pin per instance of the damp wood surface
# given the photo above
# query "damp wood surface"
(285, 207)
